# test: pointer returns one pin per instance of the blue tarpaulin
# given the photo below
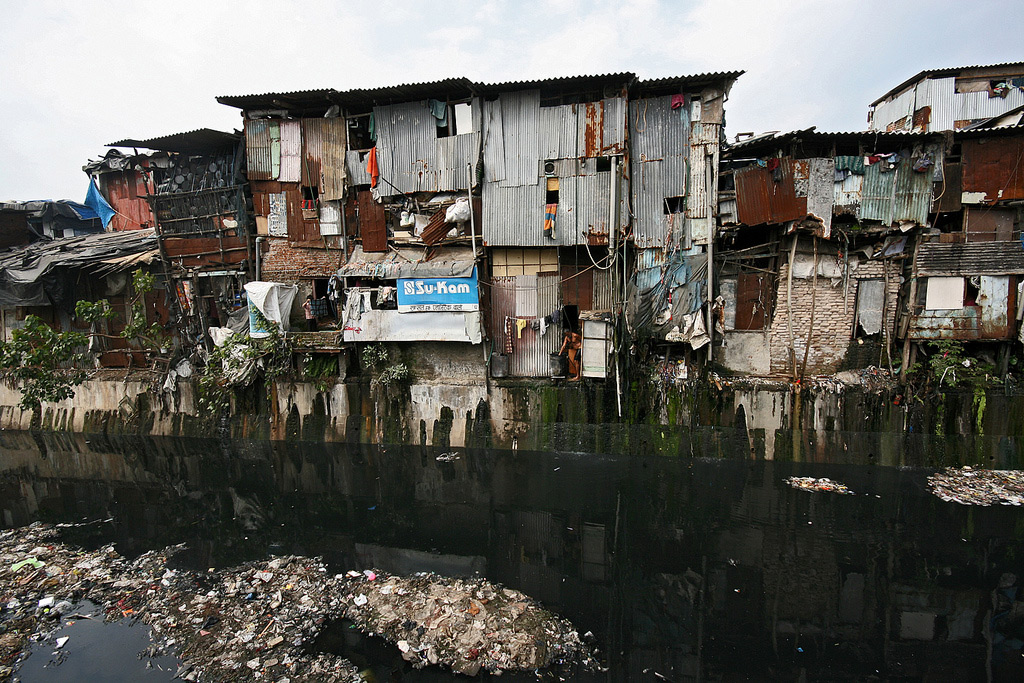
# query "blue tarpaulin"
(95, 201)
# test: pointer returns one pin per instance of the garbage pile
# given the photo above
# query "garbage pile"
(467, 624)
(969, 486)
(256, 621)
(824, 485)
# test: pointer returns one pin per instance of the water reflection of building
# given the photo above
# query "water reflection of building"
(710, 568)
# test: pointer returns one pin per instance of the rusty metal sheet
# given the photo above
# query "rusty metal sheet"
(593, 129)
(436, 228)
(988, 224)
(323, 158)
(994, 166)
(372, 227)
(126, 192)
(257, 150)
(947, 193)
(312, 152)
(760, 199)
(990, 317)
(978, 258)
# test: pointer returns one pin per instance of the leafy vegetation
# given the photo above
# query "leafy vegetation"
(320, 370)
(377, 358)
(43, 363)
(238, 363)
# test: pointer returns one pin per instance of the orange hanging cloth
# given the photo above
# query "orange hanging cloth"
(371, 166)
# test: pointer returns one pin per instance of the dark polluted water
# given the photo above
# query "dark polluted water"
(683, 569)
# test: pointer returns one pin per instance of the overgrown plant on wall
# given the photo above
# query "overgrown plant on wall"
(238, 363)
(44, 364)
(377, 358)
(320, 370)
(137, 328)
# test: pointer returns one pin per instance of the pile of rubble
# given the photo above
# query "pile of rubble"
(824, 485)
(969, 486)
(258, 620)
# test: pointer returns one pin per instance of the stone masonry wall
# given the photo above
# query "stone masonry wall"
(834, 317)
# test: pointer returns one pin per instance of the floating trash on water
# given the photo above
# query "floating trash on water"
(824, 484)
(969, 486)
(447, 457)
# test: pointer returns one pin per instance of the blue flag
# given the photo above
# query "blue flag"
(95, 201)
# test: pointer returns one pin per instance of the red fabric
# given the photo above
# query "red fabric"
(678, 101)
(371, 167)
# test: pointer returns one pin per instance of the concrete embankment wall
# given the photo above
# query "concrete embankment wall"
(446, 404)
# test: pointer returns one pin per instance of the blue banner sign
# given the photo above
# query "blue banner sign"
(416, 295)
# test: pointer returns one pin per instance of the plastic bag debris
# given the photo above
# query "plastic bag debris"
(969, 486)
(824, 485)
(260, 618)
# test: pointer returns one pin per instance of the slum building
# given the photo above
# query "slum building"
(950, 99)
(592, 186)
(813, 247)
(968, 267)
(191, 188)
(559, 187)
(350, 192)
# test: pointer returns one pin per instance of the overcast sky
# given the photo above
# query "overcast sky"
(76, 75)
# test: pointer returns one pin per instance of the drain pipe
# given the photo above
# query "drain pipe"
(258, 260)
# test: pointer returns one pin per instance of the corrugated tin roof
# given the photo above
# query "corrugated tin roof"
(948, 71)
(972, 258)
(196, 141)
(773, 141)
(459, 88)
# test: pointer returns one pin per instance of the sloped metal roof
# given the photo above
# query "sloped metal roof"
(972, 258)
(195, 141)
(940, 73)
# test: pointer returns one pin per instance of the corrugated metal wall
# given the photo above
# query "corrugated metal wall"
(323, 160)
(514, 216)
(897, 195)
(411, 156)
(526, 296)
(520, 119)
(291, 152)
(258, 149)
(660, 138)
(356, 168)
(995, 167)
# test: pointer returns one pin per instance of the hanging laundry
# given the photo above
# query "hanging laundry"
(543, 325)
(509, 333)
(439, 110)
(773, 163)
(678, 101)
(550, 210)
(373, 127)
(520, 326)
(371, 166)
(872, 159)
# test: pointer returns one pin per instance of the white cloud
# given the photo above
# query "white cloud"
(77, 75)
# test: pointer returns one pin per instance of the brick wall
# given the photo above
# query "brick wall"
(834, 317)
(282, 262)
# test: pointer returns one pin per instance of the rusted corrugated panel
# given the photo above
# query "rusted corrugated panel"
(514, 216)
(312, 151)
(977, 258)
(877, 192)
(592, 128)
(913, 198)
(520, 114)
(372, 227)
(900, 194)
(614, 126)
(355, 166)
(257, 149)
(528, 296)
(761, 199)
(455, 155)
(332, 159)
(650, 264)
(436, 228)
(994, 166)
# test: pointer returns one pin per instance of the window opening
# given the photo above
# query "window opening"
(603, 164)
(359, 132)
(674, 205)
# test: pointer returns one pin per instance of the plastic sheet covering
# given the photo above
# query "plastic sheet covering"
(944, 293)
(869, 305)
(273, 300)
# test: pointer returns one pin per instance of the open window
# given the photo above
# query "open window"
(359, 132)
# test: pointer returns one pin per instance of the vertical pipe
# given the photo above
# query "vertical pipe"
(789, 306)
(472, 218)
(709, 186)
